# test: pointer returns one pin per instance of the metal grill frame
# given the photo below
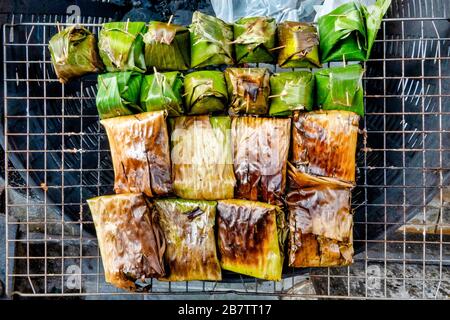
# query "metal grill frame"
(256, 287)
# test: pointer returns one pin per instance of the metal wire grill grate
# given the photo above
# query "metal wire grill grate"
(57, 156)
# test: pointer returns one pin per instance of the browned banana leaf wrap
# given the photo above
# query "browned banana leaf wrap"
(324, 143)
(299, 45)
(260, 151)
(248, 90)
(188, 227)
(140, 153)
(202, 164)
(251, 238)
(321, 224)
(131, 241)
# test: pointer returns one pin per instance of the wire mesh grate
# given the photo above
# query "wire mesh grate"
(57, 156)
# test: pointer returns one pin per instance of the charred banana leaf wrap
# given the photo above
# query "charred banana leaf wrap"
(211, 41)
(349, 31)
(298, 44)
(324, 144)
(248, 90)
(202, 165)
(188, 226)
(74, 53)
(118, 94)
(140, 153)
(163, 91)
(291, 91)
(205, 92)
(321, 224)
(121, 46)
(251, 238)
(167, 46)
(254, 39)
(340, 88)
(131, 241)
(260, 151)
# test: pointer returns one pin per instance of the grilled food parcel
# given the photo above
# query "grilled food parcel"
(251, 238)
(202, 165)
(121, 46)
(140, 153)
(131, 242)
(348, 32)
(260, 153)
(291, 91)
(254, 39)
(118, 94)
(340, 88)
(298, 45)
(248, 90)
(324, 145)
(321, 224)
(211, 41)
(167, 46)
(163, 91)
(205, 92)
(74, 53)
(188, 226)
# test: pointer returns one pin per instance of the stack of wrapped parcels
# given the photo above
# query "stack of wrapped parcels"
(232, 170)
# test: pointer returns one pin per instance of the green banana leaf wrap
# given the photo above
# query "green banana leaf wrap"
(211, 41)
(131, 241)
(251, 238)
(248, 90)
(321, 226)
(254, 38)
(291, 91)
(205, 92)
(260, 154)
(202, 165)
(299, 45)
(167, 46)
(163, 91)
(340, 88)
(349, 31)
(74, 53)
(121, 46)
(140, 153)
(188, 227)
(118, 94)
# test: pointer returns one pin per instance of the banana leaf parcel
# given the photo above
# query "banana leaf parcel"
(211, 41)
(131, 241)
(349, 31)
(167, 46)
(163, 91)
(251, 238)
(340, 88)
(321, 227)
(324, 144)
(74, 53)
(254, 39)
(121, 46)
(188, 227)
(118, 94)
(291, 91)
(299, 45)
(260, 151)
(202, 165)
(205, 92)
(248, 90)
(140, 153)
